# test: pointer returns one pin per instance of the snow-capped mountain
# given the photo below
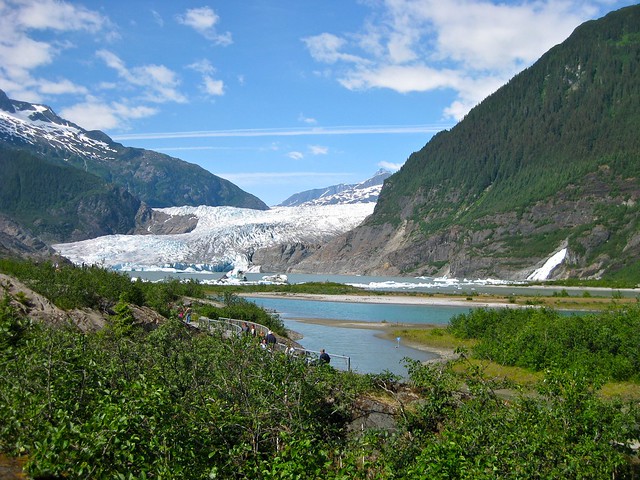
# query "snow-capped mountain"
(367, 191)
(39, 126)
(154, 178)
(225, 237)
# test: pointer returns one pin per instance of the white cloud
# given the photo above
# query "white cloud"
(203, 66)
(308, 120)
(157, 18)
(401, 78)
(92, 114)
(57, 15)
(159, 83)
(61, 87)
(25, 47)
(390, 166)
(318, 150)
(20, 55)
(204, 20)
(470, 46)
(211, 86)
(296, 155)
(326, 48)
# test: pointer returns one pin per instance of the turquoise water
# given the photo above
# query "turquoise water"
(368, 352)
(362, 312)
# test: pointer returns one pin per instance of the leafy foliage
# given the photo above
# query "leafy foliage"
(241, 309)
(126, 402)
(69, 286)
(606, 344)
(326, 288)
(166, 404)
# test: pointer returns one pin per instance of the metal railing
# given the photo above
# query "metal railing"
(228, 327)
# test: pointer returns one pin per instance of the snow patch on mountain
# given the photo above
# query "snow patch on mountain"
(367, 191)
(37, 124)
(224, 238)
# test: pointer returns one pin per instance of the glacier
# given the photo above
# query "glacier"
(224, 238)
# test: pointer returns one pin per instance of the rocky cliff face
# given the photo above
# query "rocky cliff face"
(15, 240)
(156, 222)
(282, 257)
(582, 212)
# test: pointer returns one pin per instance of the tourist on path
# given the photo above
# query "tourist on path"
(324, 357)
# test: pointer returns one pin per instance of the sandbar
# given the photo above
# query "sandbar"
(388, 299)
(384, 328)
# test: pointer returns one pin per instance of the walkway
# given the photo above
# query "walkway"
(231, 326)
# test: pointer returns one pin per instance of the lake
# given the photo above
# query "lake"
(368, 352)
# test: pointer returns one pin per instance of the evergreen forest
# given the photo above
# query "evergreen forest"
(573, 111)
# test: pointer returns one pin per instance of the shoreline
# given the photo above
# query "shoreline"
(444, 354)
(385, 299)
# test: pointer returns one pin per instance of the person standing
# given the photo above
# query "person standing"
(324, 357)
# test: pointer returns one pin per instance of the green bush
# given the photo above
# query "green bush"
(605, 344)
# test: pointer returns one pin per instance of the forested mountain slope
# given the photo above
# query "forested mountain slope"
(550, 160)
(61, 203)
(155, 178)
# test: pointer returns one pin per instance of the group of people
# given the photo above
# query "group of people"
(249, 330)
(266, 341)
(269, 341)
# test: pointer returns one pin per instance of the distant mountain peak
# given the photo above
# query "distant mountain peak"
(341, 194)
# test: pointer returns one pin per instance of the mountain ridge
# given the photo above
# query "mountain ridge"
(550, 159)
(155, 178)
(366, 191)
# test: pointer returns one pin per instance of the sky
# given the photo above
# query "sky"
(277, 96)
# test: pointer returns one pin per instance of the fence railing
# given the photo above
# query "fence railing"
(228, 327)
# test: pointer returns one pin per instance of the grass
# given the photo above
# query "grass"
(431, 336)
(512, 375)
(622, 390)
(438, 339)
(572, 302)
